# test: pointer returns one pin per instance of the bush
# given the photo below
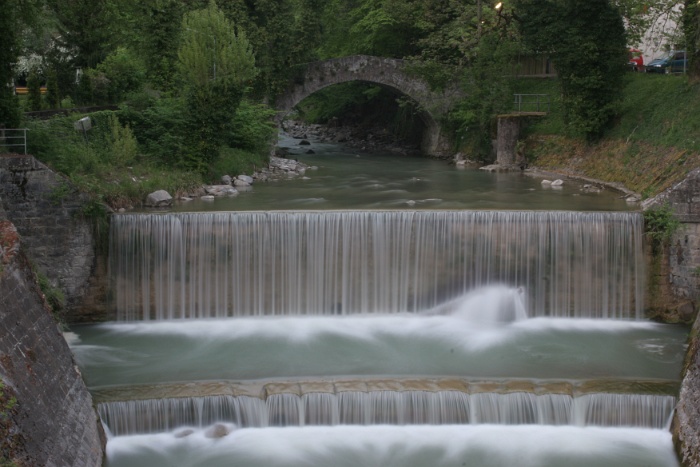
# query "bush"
(252, 127)
(119, 74)
(660, 224)
(235, 161)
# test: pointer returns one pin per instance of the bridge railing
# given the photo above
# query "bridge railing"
(531, 103)
(12, 139)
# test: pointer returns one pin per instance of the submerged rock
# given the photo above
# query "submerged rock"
(184, 433)
(217, 431)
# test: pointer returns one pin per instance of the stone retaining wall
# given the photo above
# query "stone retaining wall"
(682, 278)
(55, 423)
(47, 211)
(678, 279)
(686, 420)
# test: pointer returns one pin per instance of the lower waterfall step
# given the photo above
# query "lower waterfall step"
(152, 409)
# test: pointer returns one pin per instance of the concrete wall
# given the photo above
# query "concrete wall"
(47, 212)
(674, 290)
(686, 420)
(55, 422)
(678, 292)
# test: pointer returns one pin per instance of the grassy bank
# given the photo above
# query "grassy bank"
(654, 143)
(138, 149)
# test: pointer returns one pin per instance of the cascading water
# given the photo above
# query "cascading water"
(209, 265)
(420, 338)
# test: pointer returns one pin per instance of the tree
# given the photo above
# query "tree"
(34, 89)
(215, 63)
(691, 29)
(15, 16)
(586, 41)
(650, 20)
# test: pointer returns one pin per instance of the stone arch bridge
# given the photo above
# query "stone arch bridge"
(387, 72)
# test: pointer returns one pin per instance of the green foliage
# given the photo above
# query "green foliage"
(657, 19)
(59, 193)
(122, 144)
(120, 73)
(34, 89)
(236, 161)
(86, 27)
(586, 41)
(488, 86)
(214, 63)
(660, 110)
(212, 53)
(252, 127)
(158, 26)
(158, 125)
(10, 25)
(691, 31)
(8, 436)
(660, 224)
(54, 296)
(53, 95)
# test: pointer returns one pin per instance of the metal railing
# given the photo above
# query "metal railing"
(13, 138)
(531, 102)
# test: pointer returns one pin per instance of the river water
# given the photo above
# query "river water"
(383, 311)
(347, 178)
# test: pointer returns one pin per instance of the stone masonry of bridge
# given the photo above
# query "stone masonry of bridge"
(387, 72)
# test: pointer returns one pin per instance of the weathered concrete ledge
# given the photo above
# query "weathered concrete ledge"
(264, 389)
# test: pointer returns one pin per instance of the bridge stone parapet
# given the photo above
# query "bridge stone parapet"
(388, 72)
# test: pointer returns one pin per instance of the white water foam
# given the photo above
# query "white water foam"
(407, 446)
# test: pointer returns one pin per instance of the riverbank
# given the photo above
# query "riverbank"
(631, 167)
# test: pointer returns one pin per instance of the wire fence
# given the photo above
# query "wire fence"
(13, 140)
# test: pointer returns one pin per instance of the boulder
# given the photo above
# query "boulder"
(220, 190)
(240, 183)
(245, 178)
(158, 199)
(226, 180)
(558, 182)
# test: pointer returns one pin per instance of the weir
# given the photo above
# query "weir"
(397, 402)
(224, 264)
(314, 331)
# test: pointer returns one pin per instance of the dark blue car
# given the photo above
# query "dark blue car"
(672, 62)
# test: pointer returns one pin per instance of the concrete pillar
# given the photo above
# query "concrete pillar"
(507, 140)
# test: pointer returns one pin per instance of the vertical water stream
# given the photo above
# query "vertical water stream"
(205, 265)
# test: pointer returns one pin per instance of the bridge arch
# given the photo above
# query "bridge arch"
(388, 72)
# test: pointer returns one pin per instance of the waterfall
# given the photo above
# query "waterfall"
(225, 264)
(388, 407)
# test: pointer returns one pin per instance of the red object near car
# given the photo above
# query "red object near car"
(636, 60)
